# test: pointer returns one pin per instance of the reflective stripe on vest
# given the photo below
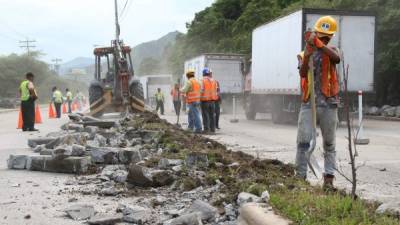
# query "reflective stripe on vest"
(209, 90)
(329, 82)
(194, 94)
(24, 90)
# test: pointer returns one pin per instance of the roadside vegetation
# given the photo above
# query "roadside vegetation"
(14, 67)
(227, 25)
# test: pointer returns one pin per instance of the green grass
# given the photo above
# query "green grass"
(316, 207)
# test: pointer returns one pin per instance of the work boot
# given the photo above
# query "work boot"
(328, 183)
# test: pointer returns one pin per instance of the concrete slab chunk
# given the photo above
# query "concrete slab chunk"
(17, 162)
(80, 211)
(72, 165)
(33, 142)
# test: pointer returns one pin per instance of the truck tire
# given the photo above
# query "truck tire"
(95, 93)
(249, 108)
(277, 112)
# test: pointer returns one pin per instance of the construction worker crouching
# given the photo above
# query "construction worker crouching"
(28, 98)
(192, 89)
(323, 59)
(57, 100)
(208, 97)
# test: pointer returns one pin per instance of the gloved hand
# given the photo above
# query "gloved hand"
(318, 43)
(313, 40)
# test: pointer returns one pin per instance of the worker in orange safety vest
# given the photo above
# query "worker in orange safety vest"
(324, 60)
(192, 90)
(208, 98)
(176, 98)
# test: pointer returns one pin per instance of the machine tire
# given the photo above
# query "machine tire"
(95, 93)
(136, 90)
(249, 108)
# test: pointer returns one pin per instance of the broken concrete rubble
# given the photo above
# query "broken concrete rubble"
(74, 165)
(245, 197)
(102, 219)
(197, 159)
(165, 163)
(17, 162)
(33, 142)
(135, 214)
(80, 211)
(72, 126)
(130, 155)
(147, 177)
(104, 155)
(206, 211)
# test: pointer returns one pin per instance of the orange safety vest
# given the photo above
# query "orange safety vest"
(209, 92)
(329, 80)
(194, 94)
(175, 94)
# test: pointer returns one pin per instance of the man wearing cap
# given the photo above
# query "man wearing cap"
(324, 59)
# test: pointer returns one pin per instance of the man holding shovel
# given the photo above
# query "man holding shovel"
(320, 89)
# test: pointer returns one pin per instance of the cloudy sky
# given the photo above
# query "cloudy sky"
(69, 28)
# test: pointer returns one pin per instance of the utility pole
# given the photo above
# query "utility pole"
(27, 44)
(117, 28)
(56, 65)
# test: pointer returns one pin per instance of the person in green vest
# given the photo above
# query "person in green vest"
(160, 101)
(57, 100)
(28, 98)
(69, 99)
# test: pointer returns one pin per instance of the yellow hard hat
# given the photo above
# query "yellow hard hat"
(326, 25)
(190, 72)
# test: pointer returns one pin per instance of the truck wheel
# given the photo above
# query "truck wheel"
(249, 108)
(95, 93)
(277, 112)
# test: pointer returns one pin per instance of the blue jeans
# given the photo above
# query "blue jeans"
(194, 116)
(328, 119)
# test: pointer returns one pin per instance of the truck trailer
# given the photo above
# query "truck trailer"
(150, 85)
(273, 84)
(228, 70)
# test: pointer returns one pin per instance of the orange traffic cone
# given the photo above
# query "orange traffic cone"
(38, 115)
(73, 107)
(64, 109)
(52, 114)
(20, 121)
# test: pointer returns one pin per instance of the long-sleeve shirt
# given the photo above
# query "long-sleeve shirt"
(187, 87)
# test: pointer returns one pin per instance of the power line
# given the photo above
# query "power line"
(12, 29)
(27, 45)
(123, 9)
(127, 10)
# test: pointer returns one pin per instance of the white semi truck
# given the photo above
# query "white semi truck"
(228, 70)
(273, 85)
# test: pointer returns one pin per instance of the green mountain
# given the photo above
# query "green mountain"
(148, 56)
